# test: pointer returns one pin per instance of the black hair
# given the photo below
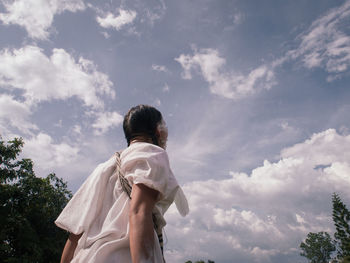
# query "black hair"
(141, 120)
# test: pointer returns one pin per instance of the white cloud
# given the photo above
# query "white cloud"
(77, 129)
(47, 154)
(326, 43)
(233, 85)
(36, 16)
(106, 35)
(157, 102)
(124, 18)
(159, 68)
(105, 121)
(155, 13)
(166, 87)
(60, 76)
(237, 19)
(322, 148)
(266, 214)
(15, 114)
(58, 124)
(43, 78)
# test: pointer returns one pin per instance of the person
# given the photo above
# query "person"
(117, 215)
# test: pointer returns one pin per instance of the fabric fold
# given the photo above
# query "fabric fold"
(181, 202)
(100, 208)
(82, 209)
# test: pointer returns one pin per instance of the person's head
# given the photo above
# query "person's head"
(145, 123)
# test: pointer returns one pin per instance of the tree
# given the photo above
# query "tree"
(317, 247)
(341, 219)
(28, 207)
(345, 260)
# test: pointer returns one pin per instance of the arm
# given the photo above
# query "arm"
(69, 248)
(143, 200)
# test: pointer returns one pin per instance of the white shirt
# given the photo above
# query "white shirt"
(100, 208)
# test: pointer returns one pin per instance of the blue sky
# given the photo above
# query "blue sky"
(255, 94)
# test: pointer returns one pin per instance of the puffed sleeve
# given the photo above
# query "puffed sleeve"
(86, 203)
(147, 164)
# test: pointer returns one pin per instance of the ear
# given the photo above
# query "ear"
(157, 132)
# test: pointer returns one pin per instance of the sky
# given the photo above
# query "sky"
(255, 95)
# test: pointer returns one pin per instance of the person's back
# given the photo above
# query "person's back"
(108, 223)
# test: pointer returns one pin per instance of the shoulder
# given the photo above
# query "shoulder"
(143, 149)
(141, 152)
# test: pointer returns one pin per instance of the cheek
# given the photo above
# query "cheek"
(163, 136)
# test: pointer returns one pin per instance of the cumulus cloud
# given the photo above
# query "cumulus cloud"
(105, 121)
(15, 114)
(47, 154)
(321, 148)
(41, 78)
(233, 85)
(36, 16)
(326, 43)
(263, 216)
(110, 20)
(60, 76)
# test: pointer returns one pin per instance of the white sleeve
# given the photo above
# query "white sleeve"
(148, 165)
(82, 209)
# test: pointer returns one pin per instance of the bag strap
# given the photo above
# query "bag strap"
(123, 181)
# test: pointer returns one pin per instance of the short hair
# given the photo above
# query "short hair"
(141, 120)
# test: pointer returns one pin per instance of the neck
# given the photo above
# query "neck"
(141, 139)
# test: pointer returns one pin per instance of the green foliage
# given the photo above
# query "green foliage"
(28, 207)
(317, 247)
(346, 260)
(341, 219)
